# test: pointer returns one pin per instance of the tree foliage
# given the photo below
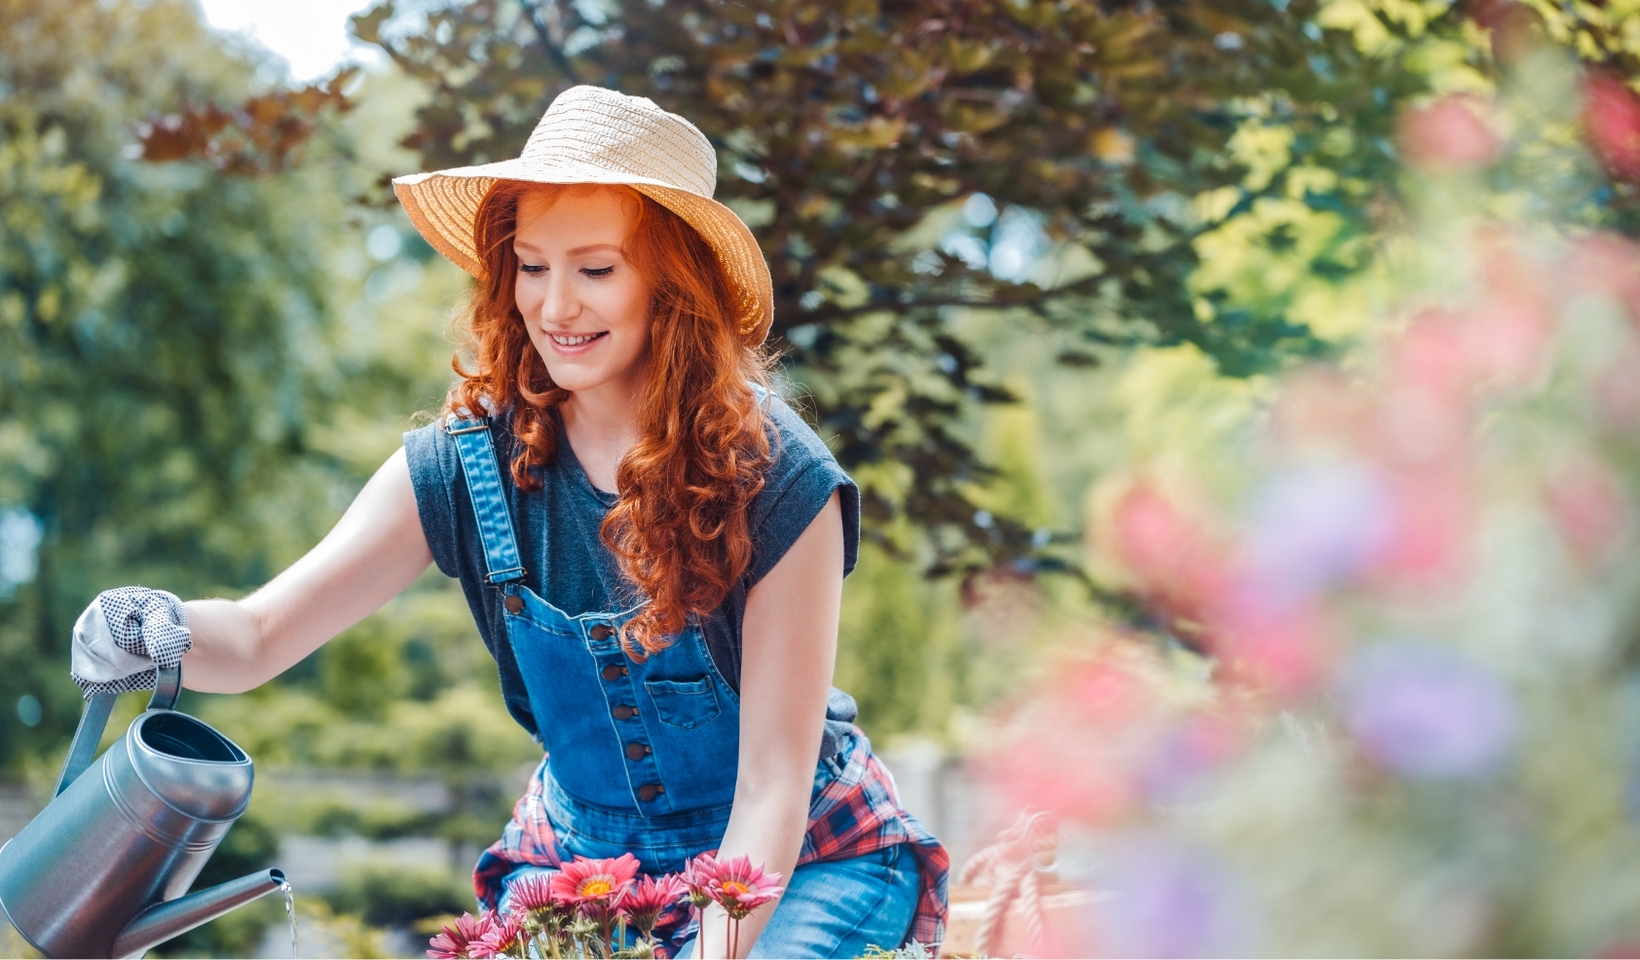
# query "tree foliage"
(159, 332)
(263, 134)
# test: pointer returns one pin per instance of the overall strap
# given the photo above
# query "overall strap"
(495, 529)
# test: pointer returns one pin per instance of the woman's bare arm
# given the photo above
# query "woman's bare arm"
(376, 550)
(790, 648)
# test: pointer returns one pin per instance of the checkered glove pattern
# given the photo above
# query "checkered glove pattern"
(124, 636)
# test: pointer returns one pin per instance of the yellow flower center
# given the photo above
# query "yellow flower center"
(596, 887)
(735, 887)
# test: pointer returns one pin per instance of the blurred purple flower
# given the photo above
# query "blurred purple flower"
(1427, 712)
(1172, 901)
(1314, 525)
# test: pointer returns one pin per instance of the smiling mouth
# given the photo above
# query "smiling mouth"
(576, 340)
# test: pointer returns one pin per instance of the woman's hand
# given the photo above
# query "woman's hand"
(123, 635)
(375, 551)
(788, 653)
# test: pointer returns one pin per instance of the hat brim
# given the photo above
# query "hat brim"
(443, 205)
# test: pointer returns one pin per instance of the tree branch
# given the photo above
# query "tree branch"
(1042, 295)
(554, 51)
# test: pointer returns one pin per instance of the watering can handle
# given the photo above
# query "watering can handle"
(167, 686)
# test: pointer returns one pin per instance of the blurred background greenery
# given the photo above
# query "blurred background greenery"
(1020, 246)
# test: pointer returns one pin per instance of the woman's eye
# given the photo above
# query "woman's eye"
(531, 269)
(596, 272)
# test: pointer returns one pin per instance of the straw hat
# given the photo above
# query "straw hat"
(594, 135)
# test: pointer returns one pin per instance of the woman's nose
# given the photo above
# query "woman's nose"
(560, 305)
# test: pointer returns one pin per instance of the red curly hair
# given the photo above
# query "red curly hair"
(680, 529)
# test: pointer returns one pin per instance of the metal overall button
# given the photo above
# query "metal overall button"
(650, 791)
(624, 712)
(637, 751)
(601, 631)
(513, 602)
(614, 671)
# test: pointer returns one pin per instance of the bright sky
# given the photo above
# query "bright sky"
(310, 34)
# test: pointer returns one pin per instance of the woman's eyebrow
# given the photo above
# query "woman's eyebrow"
(576, 251)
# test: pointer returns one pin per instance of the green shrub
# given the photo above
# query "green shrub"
(390, 894)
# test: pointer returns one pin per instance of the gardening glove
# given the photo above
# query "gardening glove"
(124, 636)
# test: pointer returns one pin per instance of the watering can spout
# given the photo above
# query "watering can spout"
(162, 921)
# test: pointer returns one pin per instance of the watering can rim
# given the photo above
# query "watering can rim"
(244, 762)
(244, 759)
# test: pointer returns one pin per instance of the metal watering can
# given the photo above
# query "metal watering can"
(101, 872)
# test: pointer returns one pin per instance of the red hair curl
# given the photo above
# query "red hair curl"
(680, 529)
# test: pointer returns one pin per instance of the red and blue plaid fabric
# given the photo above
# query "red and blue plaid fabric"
(855, 814)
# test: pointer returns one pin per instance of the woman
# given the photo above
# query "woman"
(651, 542)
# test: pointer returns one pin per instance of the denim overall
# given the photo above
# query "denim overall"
(642, 757)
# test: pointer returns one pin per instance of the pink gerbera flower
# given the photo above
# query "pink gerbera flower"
(740, 887)
(595, 887)
(651, 900)
(455, 942)
(532, 894)
(505, 938)
(697, 878)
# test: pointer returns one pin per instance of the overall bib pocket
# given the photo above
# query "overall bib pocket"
(684, 703)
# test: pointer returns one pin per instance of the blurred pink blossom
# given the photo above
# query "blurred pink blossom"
(1090, 778)
(1446, 355)
(1136, 742)
(1606, 265)
(1509, 342)
(1172, 556)
(1449, 135)
(1435, 353)
(1261, 628)
(1617, 391)
(1276, 647)
(1611, 117)
(1319, 411)
(1430, 529)
(1589, 507)
(1417, 425)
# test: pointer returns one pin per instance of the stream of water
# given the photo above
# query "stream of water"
(290, 912)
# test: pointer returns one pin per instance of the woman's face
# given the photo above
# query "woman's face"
(586, 307)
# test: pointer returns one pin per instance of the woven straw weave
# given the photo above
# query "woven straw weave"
(594, 135)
